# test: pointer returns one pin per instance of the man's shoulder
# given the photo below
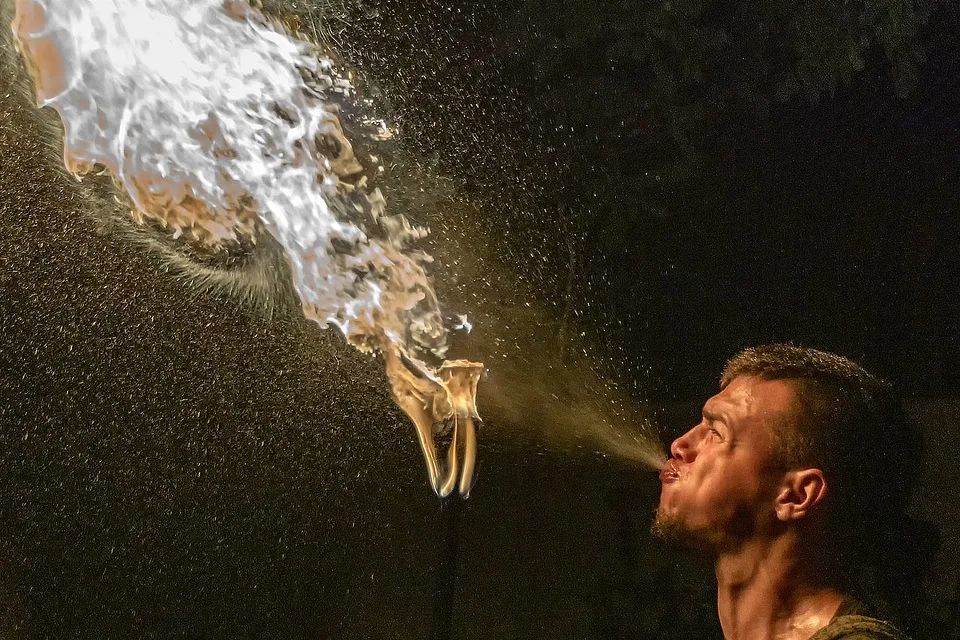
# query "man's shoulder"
(857, 627)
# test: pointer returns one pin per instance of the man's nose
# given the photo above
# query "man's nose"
(682, 448)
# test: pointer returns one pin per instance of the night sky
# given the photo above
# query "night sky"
(830, 223)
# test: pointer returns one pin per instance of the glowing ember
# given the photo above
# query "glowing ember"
(217, 123)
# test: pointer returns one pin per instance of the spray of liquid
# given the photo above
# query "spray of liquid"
(219, 126)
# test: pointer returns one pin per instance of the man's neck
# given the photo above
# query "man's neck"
(767, 591)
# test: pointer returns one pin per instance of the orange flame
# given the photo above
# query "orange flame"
(217, 122)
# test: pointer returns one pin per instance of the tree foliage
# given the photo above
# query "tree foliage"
(630, 88)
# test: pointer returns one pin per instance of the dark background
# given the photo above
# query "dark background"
(174, 463)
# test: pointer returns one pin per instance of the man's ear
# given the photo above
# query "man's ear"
(799, 493)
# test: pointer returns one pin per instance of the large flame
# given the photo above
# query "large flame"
(216, 122)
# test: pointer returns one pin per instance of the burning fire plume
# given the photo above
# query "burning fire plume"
(219, 125)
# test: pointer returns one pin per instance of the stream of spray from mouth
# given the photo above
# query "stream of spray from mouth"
(219, 124)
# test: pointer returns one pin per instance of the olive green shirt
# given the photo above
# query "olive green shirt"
(850, 623)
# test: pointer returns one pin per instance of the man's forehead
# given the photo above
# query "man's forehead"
(747, 396)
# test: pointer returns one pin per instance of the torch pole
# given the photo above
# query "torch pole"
(447, 567)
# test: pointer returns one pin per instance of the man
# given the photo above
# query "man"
(793, 480)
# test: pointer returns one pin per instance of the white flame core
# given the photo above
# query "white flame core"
(211, 117)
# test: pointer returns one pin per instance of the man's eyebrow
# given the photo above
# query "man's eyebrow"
(713, 417)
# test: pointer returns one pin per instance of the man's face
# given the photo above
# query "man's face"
(719, 487)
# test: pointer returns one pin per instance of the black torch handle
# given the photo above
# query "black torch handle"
(447, 567)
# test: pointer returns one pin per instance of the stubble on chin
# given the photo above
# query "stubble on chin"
(670, 527)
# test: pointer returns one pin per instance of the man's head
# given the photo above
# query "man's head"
(796, 439)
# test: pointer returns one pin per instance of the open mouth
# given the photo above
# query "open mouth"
(670, 473)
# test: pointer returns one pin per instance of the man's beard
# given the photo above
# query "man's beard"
(672, 528)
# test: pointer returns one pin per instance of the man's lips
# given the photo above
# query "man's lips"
(670, 472)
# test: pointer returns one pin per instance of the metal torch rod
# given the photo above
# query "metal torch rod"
(447, 567)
